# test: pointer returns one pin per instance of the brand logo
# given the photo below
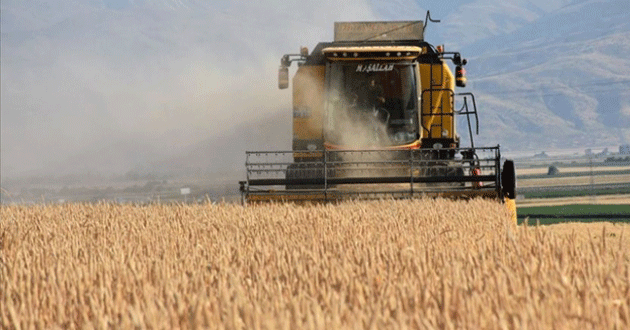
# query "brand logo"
(375, 67)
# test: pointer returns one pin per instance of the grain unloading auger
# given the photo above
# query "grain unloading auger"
(374, 115)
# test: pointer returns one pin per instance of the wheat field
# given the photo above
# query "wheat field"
(423, 264)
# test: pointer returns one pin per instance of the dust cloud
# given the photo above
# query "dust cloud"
(358, 127)
(109, 91)
(353, 126)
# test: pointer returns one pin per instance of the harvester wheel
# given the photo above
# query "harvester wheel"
(508, 179)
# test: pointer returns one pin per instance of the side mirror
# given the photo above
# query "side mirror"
(283, 77)
(460, 76)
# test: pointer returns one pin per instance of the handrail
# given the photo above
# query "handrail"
(363, 167)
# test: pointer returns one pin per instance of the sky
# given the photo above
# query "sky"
(151, 78)
(107, 86)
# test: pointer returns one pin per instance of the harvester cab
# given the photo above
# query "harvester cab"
(374, 115)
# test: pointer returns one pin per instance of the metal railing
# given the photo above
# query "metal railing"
(340, 174)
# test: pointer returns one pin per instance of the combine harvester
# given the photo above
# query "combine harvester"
(374, 116)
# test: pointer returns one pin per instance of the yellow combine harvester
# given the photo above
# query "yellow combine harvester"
(374, 115)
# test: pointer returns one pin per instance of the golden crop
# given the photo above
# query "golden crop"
(424, 264)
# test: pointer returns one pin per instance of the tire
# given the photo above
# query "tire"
(508, 179)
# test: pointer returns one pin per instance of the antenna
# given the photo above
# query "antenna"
(427, 19)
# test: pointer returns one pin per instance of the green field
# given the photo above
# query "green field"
(576, 193)
(545, 215)
(570, 174)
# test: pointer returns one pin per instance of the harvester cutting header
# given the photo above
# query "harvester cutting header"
(374, 114)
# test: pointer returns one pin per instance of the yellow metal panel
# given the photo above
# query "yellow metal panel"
(306, 128)
(511, 205)
(308, 101)
(437, 90)
(350, 59)
(409, 146)
(397, 53)
(371, 49)
(447, 103)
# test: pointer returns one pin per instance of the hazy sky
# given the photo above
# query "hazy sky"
(155, 76)
(110, 85)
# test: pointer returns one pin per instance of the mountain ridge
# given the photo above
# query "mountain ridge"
(177, 75)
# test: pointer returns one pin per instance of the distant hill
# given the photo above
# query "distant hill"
(561, 81)
(464, 22)
(113, 85)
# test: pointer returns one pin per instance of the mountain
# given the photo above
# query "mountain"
(464, 22)
(111, 85)
(562, 81)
